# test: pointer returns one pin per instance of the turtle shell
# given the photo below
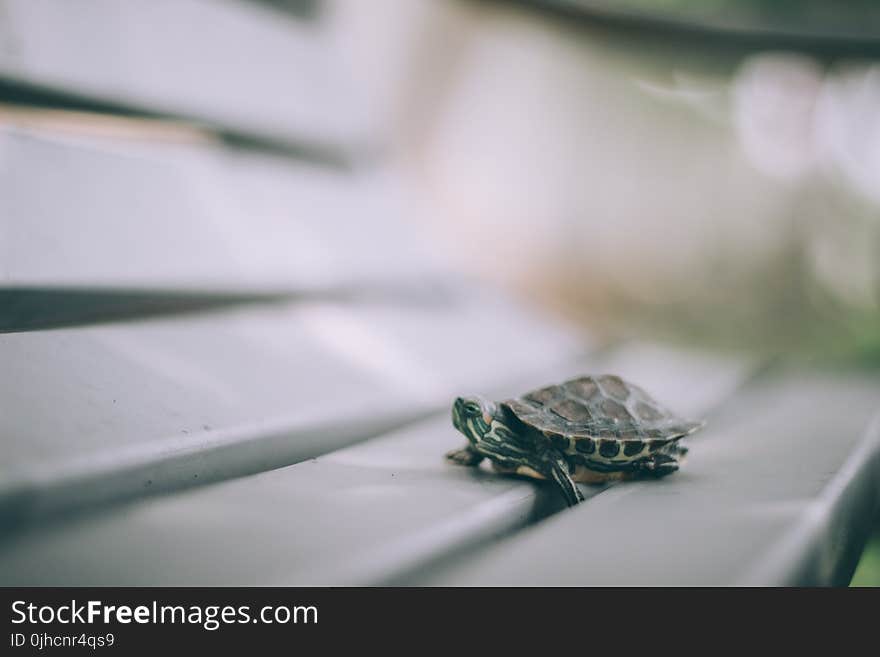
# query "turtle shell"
(600, 417)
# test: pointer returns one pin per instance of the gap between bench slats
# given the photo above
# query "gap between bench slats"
(232, 64)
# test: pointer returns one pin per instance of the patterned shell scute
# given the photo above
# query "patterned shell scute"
(602, 408)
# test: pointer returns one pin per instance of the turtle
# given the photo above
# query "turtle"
(590, 429)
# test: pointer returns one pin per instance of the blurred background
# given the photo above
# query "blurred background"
(704, 171)
(692, 171)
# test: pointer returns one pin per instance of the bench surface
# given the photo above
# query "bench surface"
(225, 365)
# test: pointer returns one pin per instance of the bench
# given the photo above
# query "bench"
(228, 352)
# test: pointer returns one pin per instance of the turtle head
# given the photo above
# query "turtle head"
(473, 417)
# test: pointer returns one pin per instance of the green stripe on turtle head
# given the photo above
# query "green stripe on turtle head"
(473, 417)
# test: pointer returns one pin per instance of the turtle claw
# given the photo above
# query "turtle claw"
(466, 456)
(659, 465)
(573, 496)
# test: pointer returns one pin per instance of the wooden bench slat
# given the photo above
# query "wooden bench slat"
(101, 412)
(365, 514)
(251, 69)
(92, 214)
(781, 491)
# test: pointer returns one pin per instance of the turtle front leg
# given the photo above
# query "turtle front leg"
(466, 456)
(558, 469)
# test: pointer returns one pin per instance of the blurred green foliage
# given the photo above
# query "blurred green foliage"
(839, 18)
(818, 13)
(868, 571)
